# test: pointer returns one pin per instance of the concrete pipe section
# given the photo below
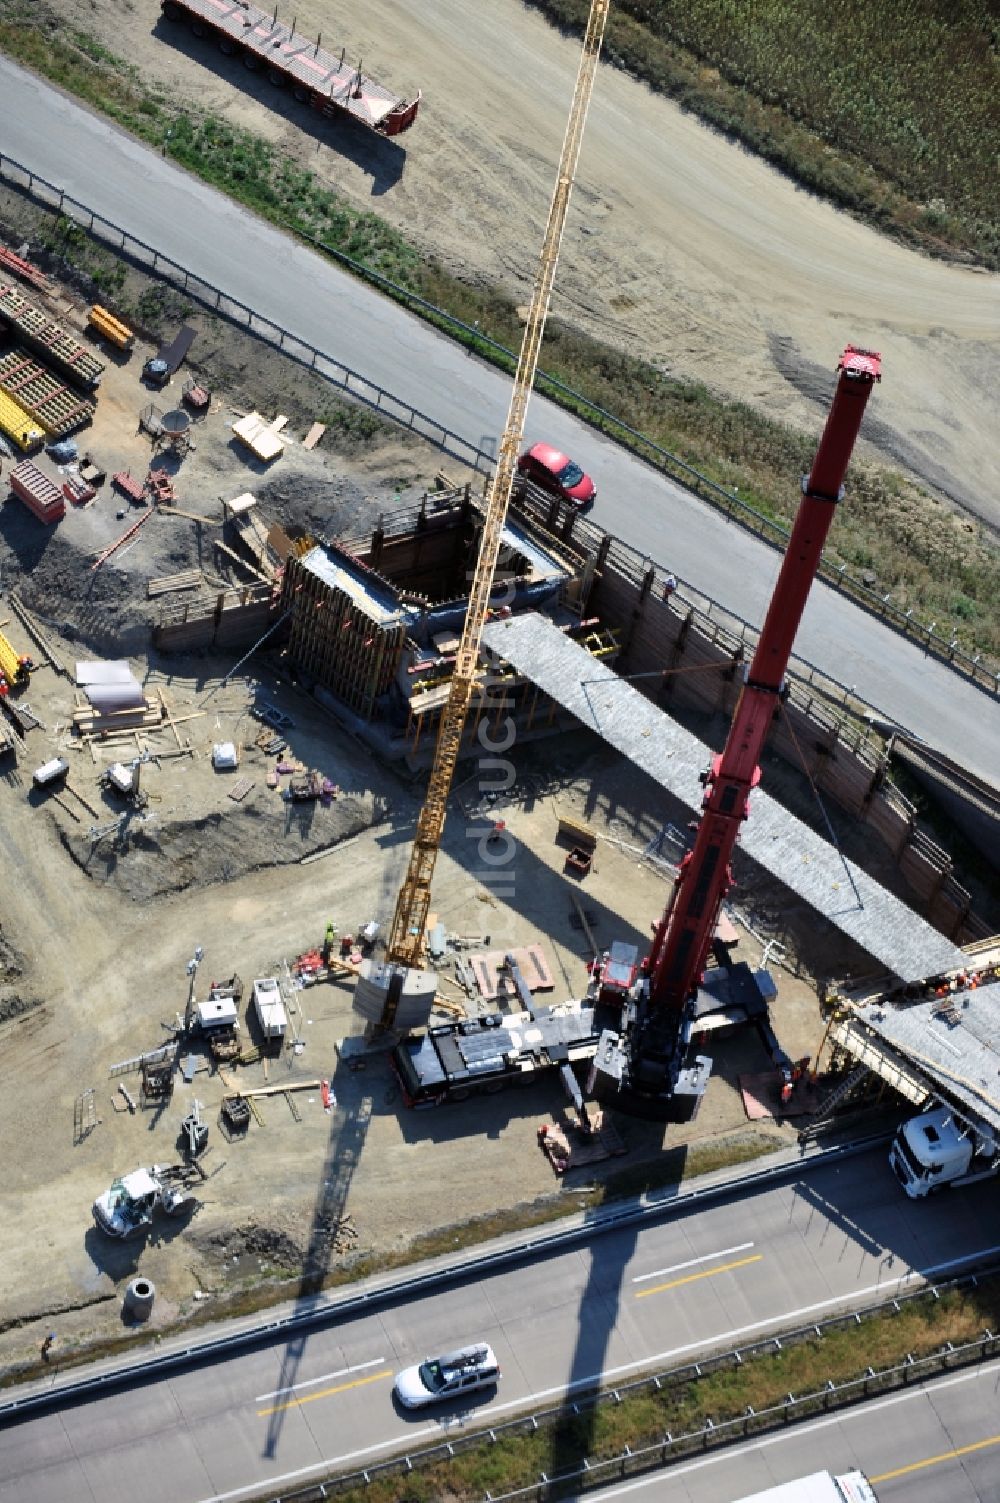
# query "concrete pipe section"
(139, 1296)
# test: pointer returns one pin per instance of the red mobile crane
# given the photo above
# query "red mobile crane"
(644, 1068)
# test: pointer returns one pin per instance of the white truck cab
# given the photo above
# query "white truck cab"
(819, 1487)
(936, 1149)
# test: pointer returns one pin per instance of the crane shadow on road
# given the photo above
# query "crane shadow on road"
(573, 1437)
(348, 1132)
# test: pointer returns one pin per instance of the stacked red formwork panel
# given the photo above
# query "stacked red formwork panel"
(41, 496)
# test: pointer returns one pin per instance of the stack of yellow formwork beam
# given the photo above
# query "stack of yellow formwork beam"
(111, 328)
(57, 408)
(12, 670)
(19, 427)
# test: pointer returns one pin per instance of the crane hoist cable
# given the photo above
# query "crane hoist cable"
(405, 938)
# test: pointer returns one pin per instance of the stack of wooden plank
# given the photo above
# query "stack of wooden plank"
(88, 722)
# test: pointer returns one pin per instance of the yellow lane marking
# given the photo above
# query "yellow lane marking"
(918, 1466)
(325, 1393)
(707, 1273)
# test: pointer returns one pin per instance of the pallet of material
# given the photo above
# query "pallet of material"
(110, 328)
(77, 490)
(168, 583)
(487, 968)
(572, 1148)
(40, 495)
(55, 407)
(259, 437)
(23, 269)
(87, 721)
(51, 341)
(19, 426)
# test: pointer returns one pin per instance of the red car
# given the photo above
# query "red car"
(554, 472)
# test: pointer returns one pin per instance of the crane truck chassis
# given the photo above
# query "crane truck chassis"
(644, 1064)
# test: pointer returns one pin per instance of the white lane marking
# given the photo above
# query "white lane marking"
(706, 1343)
(731, 1453)
(709, 1257)
(311, 1382)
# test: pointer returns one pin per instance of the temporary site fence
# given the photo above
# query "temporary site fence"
(601, 1471)
(944, 647)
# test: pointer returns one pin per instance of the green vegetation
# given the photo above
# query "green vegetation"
(888, 110)
(891, 535)
(920, 1327)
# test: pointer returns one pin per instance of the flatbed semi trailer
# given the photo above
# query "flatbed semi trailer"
(453, 1061)
(328, 84)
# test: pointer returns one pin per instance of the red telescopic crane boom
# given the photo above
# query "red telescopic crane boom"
(646, 1072)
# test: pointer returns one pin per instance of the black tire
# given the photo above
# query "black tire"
(494, 1088)
(227, 46)
(173, 12)
(251, 61)
(276, 78)
(461, 1094)
(301, 93)
(199, 29)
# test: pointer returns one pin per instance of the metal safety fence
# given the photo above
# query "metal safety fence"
(943, 646)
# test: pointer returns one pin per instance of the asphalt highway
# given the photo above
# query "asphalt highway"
(199, 229)
(623, 1302)
(938, 1443)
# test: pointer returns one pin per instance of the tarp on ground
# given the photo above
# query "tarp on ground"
(110, 686)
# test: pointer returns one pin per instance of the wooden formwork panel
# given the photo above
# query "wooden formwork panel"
(45, 335)
(55, 407)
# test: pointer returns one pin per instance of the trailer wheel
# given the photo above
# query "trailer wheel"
(277, 78)
(494, 1087)
(251, 61)
(301, 93)
(461, 1094)
(173, 12)
(227, 45)
(199, 29)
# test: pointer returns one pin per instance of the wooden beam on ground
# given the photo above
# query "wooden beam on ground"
(278, 1090)
(584, 925)
(250, 568)
(192, 516)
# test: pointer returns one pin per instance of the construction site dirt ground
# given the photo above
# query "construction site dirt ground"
(104, 965)
(98, 924)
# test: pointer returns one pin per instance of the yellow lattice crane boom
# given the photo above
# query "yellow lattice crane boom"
(406, 935)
